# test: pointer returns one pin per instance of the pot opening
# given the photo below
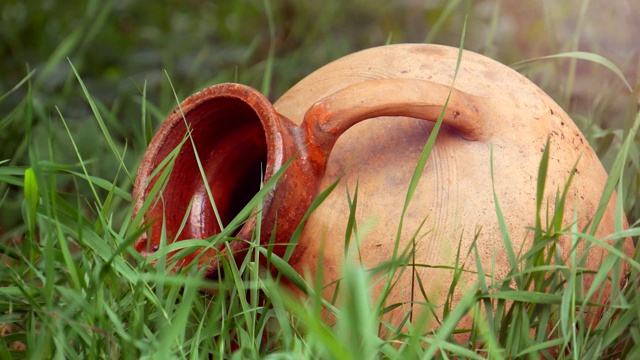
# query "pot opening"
(231, 147)
(231, 144)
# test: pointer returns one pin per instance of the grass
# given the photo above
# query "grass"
(72, 287)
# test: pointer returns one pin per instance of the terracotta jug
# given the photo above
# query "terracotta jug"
(400, 90)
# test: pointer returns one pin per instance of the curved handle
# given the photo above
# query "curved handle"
(329, 118)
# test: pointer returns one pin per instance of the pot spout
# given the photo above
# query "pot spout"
(207, 161)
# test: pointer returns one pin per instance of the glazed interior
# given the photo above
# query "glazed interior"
(232, 148)
(230, 144)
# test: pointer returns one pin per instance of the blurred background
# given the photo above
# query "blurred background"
(128, 50)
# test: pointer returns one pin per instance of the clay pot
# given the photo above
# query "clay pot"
(238, 135)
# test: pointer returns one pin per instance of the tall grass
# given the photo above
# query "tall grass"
(74, 288)
(71, 286)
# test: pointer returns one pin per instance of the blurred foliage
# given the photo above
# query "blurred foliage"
(124, 49)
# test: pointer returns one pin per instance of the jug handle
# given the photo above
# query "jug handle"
(330, 117)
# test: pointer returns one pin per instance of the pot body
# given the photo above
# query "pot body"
(496, 127)
(454, 198)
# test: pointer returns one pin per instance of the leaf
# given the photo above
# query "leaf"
(13, 89)
(31, 197)
(580, 55)
(533, 297)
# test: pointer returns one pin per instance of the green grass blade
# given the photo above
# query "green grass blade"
(18, 85)
(441, 20)
(101, 124)
(542, 179)
(104, 184)
(32, 198)
(205, 181)
(615, 173)
(268, 71)
(504, 231)
(580, 55)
